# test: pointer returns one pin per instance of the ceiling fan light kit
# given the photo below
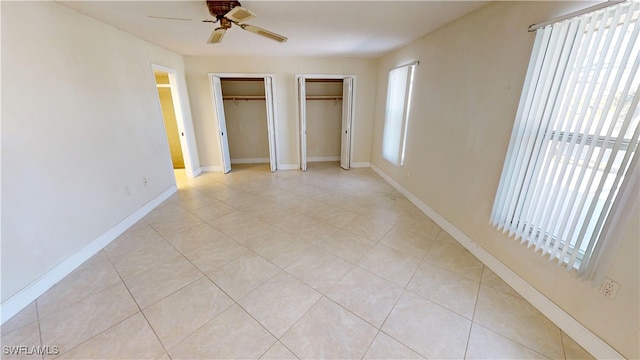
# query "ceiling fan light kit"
(231, 12)
(228, 13)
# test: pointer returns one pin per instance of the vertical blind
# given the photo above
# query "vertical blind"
(575, 134)
(397, 113)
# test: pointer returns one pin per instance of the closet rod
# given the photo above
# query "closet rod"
(243, 98)
(324, 97)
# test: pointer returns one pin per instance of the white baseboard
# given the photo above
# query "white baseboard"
(212, 168)
(288, 166)
(322, 158)
(578, 332)
(251, 161)
(360, 165)
(26, 296)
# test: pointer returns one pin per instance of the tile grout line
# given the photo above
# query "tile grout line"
(154, 266)
(370, 344)
(235, 302)
(564, 348)
(387, 318)
(475, 307)
(100, 333)
(404, 289)
(138, 306)
(145, 316)
(204, 275)
(39, 326)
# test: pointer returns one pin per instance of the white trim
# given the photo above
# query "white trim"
(251, 161)
(288, 166)
(362, 164)
(241, 75)
(212, 168)
(31, 292)
(322, 158)
(578, 332)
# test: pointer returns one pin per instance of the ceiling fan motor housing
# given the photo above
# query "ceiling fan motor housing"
(219, 8)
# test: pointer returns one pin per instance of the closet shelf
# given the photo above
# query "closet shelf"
(244, 97)
(323, 97)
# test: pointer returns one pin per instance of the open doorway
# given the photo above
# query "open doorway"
(325, 115)
(171, 108)
(244, 107)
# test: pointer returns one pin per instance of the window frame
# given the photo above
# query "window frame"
(394, 141)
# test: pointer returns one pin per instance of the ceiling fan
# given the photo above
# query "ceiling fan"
(228, 13)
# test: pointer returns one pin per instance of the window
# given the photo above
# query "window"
(397, 113)
(575, 135)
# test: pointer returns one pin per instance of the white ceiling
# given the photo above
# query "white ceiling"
(314, 28)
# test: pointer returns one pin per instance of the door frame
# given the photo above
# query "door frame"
(301, 115)
(187, 136)
(271, 110)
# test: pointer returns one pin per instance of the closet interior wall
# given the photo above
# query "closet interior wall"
(246, 119)
(324, 119)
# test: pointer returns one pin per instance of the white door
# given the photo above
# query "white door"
(347, 114)
(268, 92)
(222, 125)
(302, 107)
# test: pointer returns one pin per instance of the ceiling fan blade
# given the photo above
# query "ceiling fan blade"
(239, 14)
(263, 32)
(168, 18)
(216, 36)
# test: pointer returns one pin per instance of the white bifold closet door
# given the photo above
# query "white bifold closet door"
(268, 91)
(302, 108)
(222, 125)
(347, 119)
(347, 115)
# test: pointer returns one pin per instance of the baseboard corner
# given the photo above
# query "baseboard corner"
(360, 164)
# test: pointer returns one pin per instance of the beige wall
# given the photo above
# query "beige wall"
(324, 128)
(247, 129)
(466, 93)
(284, 69)
(246, 120)
(324, 120)
(80, 122)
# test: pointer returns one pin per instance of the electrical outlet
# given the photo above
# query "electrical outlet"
(145, 181)
(609, 288)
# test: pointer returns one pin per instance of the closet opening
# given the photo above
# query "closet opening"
(325, 113)
(245, 113)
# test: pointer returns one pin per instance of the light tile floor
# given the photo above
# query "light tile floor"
(323, 264)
